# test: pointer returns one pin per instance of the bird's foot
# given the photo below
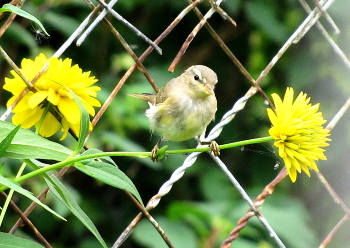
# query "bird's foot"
(214, 147)
(158, 154)
(154, 153)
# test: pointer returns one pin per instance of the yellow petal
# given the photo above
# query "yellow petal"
(298, 132)
(53, 97)
(292, 145)
(295, 163)
(27, 118)
(37, 98)
(272, 116)
(288, 97)
(305, 169)
(52, 85)
(23, 104)
(70, 110)
(292, 174)
(49, 126)
(313, 165)
(65, 128)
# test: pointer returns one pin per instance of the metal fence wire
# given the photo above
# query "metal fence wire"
(315, 12)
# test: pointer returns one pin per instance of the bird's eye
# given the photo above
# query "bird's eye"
(196, 77)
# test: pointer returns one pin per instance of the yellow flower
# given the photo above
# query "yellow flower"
(298, 131)
(51, 92)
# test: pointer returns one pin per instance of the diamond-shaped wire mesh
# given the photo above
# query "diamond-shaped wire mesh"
(245, 83)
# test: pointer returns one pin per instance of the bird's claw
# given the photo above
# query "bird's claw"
(214, 148)
(157, 153)
(154, 153)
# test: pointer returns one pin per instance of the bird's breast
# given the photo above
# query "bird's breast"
(182, 119)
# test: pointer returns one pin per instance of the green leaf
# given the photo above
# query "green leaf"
(20, 12)
(63, 194)
(28, 145)
(84, 123)
(5, 143)
(95, 151)
(2, 168)
(19, 189)
(11, 241)
(36, 165)
(110, 175)
(161, 152)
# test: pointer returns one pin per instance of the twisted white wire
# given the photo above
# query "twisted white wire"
(189, 161)
(177, 174)
(227, 118)
(98, 19)
(249, 201)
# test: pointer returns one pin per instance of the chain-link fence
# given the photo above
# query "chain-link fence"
(264, 76)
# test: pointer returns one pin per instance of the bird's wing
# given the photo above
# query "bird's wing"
(165, 91)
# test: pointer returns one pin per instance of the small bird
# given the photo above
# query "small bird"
(184, 107)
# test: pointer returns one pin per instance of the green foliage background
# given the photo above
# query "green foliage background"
(203, 206)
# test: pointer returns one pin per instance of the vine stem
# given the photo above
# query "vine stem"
(71, 161)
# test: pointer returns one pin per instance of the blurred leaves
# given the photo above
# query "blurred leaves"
(10, 240)
(286, 217)
(109, 174)
(63, 194)
(179, 234)
(264, 14)
(211, 221)
(9, 183)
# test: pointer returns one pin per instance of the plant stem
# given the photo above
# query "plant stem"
(9, 196)
(71, 161)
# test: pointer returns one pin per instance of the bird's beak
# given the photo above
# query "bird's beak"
(209, 89)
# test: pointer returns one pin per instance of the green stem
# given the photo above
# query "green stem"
(222, 147)
(9, 196)
(71, 161)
